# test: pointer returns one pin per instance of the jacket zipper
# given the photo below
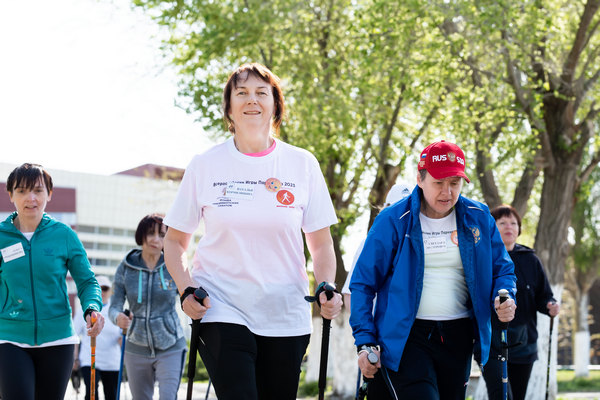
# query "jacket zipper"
(35, 319)
(148, 306)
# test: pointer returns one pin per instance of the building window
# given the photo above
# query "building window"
(86, 229)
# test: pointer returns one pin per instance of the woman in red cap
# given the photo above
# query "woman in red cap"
(435, 261)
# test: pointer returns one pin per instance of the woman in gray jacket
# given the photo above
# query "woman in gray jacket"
(155, 348)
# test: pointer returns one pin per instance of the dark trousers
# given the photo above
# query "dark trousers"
(435, 364)
(35, 373)
(518, 378)
(110, 380)
(245, 366)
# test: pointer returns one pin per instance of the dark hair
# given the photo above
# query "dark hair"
(147, 226)
(28, 175)
(506, 211)
(263, 73)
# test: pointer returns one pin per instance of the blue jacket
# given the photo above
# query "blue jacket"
(391, 266)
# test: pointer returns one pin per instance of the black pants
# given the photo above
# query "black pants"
(518, 378)
(35, 373)
(245, 366)
(110, 380)
(435, 364)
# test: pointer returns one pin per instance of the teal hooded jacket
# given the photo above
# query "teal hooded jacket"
(34, 302)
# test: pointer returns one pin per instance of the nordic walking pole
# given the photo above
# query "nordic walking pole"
(199, 295)
(503, 293)
(549, 358)
(358, 385)
(207, 389)
(93, 368)
(123, 339)
(373, 359)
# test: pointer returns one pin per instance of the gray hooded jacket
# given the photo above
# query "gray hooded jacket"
(152, 296)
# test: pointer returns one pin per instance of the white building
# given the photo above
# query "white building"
(105, 210)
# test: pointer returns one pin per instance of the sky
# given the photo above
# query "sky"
(84, 88)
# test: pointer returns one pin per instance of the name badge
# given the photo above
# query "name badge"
(240, 190)
(12, 252)
(435, 245)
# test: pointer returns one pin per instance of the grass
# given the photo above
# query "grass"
(567, 382)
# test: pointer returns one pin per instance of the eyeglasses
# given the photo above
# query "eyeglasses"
(105, 288)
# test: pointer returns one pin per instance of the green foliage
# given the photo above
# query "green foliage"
(307, 389)
(201, 373)
(567, 382)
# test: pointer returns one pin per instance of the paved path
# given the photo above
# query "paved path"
(199, 392)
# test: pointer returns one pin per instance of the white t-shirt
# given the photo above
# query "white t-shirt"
(108, 350)
(445, 292)
(251, 258)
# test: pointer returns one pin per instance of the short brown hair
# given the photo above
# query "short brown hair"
(263, 73)
(28, 175)
(506, 211)
(146, 226)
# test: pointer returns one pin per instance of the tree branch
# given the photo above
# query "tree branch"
(581, 39)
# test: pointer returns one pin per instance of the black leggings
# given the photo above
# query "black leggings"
(518, 378)
(110, 380)
(245, 366)
(435, 364)
(35, 373)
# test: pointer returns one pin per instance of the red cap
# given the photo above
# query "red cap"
(443, 159)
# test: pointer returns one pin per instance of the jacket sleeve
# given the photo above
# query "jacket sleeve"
(503, 269)
(372, 269)
(117, 299)
(88, 290)
(543, 291)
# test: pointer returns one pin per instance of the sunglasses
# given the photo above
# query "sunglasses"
(105, 288)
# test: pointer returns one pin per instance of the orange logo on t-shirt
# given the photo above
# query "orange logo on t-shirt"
(454, 237)
(285, 197)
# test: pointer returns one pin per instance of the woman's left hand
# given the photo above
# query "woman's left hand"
(506, 310)
(553, 308)
(330, 308)
(94, 330)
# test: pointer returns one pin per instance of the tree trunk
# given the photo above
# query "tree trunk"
(537, 383)
(556, 208)
(581, 343)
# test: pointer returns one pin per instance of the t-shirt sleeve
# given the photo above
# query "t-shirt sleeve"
(186, 212)
(319, 212)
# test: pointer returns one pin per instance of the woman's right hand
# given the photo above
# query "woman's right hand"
(366, 368)
(123, 321)
(193, 308)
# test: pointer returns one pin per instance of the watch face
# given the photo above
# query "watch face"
(372, 357)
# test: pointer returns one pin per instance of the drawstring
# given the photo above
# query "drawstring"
(162, 283)
(162, 279)
(438, 325)
(139, 299)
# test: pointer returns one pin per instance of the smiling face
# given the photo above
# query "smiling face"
(508, 226)
(252, 106)
(440, 195)
(30, 202)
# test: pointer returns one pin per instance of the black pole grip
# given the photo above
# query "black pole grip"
(199, 295)
(503, 294)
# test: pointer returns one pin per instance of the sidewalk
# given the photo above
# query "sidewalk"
(199, 392)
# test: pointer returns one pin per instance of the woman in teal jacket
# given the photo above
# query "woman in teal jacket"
(436, 261)
(36, 332)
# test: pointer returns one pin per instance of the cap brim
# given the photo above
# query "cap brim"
(449, 173)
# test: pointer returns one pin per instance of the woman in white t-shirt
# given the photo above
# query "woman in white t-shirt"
(255, 194)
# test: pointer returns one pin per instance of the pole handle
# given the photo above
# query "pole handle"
(127, 314)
